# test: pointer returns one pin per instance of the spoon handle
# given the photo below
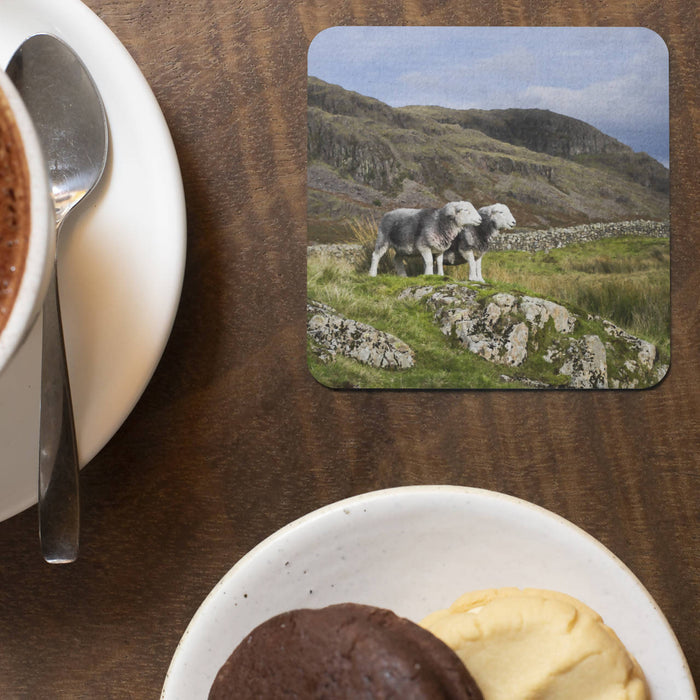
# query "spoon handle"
(59, 504)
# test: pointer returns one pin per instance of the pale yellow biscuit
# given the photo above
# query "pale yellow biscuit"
(533, 644)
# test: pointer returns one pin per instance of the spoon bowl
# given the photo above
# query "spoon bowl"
(70, 120)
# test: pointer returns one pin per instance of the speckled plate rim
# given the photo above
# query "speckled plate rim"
(186, 678)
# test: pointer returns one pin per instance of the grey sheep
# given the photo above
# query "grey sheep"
(473, 241)
(424, 232)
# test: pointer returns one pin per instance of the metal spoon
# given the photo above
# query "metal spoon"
(71, 123)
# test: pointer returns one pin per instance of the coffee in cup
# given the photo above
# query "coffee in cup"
(27, 234)
(15, 219)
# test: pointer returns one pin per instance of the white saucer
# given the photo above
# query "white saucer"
(415, 550)
(121, 258)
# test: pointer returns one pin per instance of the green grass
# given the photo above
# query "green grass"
(623, 280)
(438, 362)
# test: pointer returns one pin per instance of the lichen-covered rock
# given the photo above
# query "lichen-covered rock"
(518, 330)
(332, 334)
(646, 351)
(627, 377)
(585, 361)
(415, 293)
(497, 328)
(538, 311)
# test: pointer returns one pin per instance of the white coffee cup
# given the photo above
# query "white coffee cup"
(29, 291)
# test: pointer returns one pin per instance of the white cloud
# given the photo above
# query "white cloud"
(618, 102)
(516, 64)
(482, 83)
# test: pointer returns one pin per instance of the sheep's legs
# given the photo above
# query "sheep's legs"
(427, 256)
(473, 272)
(376, 257)
(438, 260)
(479, 276)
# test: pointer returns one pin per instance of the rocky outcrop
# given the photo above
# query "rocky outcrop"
(537, 129)
(522, 331)
(558, 135)
(364, 155)
(332, 334)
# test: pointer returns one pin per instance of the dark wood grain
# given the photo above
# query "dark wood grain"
(233, 438)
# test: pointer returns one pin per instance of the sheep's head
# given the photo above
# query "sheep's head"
(463, 213)
(499, 214)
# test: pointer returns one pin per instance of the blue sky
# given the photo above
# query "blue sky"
(613, 78)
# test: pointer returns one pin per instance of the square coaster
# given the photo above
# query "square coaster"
(488, 208)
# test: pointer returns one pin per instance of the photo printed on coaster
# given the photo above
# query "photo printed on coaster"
(488, 208)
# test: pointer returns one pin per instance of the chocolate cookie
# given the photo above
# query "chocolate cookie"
(343, 651)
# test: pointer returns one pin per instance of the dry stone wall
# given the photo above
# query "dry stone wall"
(534, 241)
(530, 241)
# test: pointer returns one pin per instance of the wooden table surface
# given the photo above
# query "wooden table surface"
(233, 438)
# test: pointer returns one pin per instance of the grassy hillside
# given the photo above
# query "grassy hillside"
(624, 280)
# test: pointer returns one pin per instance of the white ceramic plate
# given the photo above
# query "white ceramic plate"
(414, 550)
(121, 259)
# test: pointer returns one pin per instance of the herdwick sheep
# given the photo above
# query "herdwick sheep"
(473, 241)
(421, 232)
